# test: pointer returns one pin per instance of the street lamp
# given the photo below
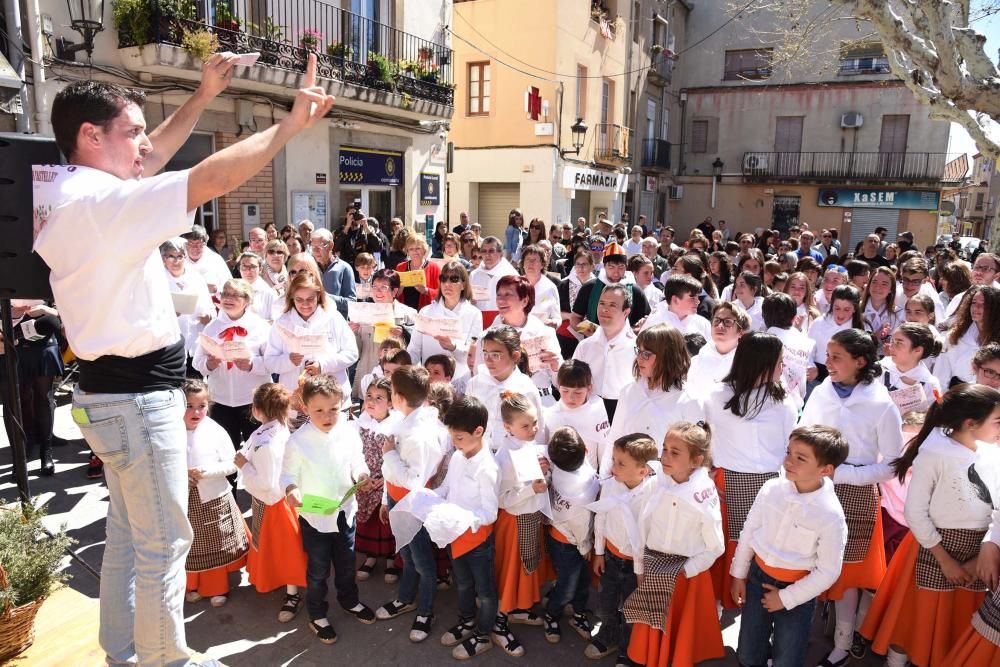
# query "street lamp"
(716, 176)
(579, 130)
(87, 18)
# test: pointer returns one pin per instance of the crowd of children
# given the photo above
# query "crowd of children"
(791, 458)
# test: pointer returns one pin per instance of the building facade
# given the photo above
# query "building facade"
(832, 140)
(388, 62)
(576, 65)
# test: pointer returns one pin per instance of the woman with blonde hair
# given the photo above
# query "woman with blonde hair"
(275, 274)
(418, 296)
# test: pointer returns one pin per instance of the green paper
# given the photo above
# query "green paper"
(318, 505)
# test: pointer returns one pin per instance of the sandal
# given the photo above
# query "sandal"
(596, 650)
(505, 639)
(458, 634)
(472, 647)
(394, 609)
(365, 570)
(421, 628)
(293, 603)
(582, 625)
(325, 633)
(552, 632)
(362, 612)
(391, 573)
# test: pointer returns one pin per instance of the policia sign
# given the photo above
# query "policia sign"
(368, 166)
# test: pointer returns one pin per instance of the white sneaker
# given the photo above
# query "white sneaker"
(192, 596)
(218, 600)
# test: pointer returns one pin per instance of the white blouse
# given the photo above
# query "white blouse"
(544, 378)
(470, 321)
(610, 361)
(264, 452)
(749, 444)
(821, 331)
(229, 385)
(708, 368)
(956, 359)
(590, 420)
(341, 349)
(487, 389)
(210, 449)
(191, 282)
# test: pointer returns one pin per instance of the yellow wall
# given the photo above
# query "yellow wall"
(554, 35)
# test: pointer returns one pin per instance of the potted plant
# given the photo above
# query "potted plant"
(225, 19)
(133, 18)
(339, 50)
(200, 44)
(309, 39)
(29, 571)
(270, 36)
(429, 73)
(382, 71)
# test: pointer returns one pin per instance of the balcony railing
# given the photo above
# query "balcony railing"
(751, 74)
(909, 167)
(349, 47)
(612, 143)
(656, 154)
(661, 69)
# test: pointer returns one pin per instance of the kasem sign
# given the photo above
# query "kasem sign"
(893, 199)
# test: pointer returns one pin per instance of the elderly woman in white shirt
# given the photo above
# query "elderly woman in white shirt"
(275, 274)
(193, 302)
(546, 306)
(265, 299)
(231, 384)
(292, 348)
(385, 287)
(454, 302)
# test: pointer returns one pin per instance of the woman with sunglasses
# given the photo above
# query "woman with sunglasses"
(515, 301)
(454, 302)
(265, 299)
(385, 288)
(275, 274)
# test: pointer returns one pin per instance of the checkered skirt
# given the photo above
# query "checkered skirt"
(529, 540)
(961, 544)
(861, 505)
(256, 521)
(741, 490)
(220, 534)
(650, 602)
(986, 620)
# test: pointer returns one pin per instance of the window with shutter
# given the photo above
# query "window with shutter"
(699, 136)
(479, 89)
(752, 64)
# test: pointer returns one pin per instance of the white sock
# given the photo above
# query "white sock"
(292, 590)
(895, 659)
(322, 622)
(866, 602)
(843, 635)
(847, 610)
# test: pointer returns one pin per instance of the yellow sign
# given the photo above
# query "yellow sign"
(412, 278)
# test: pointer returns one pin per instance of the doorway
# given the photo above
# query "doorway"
(785, 213)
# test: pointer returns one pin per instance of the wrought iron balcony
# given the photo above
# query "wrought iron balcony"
(612, 143)
(349, 47)
(767, 166)
(661, 69)
(656, 154)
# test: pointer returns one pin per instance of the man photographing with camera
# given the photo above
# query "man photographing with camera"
(120, 322)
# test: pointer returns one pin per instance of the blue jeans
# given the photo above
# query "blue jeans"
(790, 627)
(572, 577)
(322, 551)
(475, 576)
(143, 443)
(418, 581)
(617, 583)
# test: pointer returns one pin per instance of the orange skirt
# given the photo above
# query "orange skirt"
(973, 650)
(722, 581)
(215, 581)
(693, 632)
(280, 561)
(516, 589)
(925, 624)
(868, 573)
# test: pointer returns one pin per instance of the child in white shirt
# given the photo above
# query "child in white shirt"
(680, 531)
(580, 409)
(325, 459)
(791, 550)
(616, 538)
(569, 537)
(220, 534)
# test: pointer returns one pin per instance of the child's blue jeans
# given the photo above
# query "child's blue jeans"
(790, 627)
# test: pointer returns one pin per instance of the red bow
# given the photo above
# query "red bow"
(228, 334)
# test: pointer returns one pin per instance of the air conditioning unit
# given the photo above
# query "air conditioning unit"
(676, 192)
(756, 162)
(852, 119)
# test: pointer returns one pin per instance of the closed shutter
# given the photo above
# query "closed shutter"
(865, 220)
(699, 136)
(495, 202)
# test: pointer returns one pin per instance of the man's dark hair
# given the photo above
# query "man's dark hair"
(96, 102)
(779, 310)
(467, 414)
(567, 450)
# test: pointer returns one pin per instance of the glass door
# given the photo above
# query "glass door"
(380, 205)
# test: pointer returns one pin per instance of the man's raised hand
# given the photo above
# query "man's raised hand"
(217, 72)
(311, 102)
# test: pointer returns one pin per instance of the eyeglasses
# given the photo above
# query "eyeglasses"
(233, 295)
(173, 257)
(724, 322)
(490, 251)
(275, 251)
(382, 287)
(912, 282)
(597, 248)
(645, 355)
(988, 373)
(450, 279)
(195, 244)
(984, 268)
(582, 265)
(476, 258)
(249, 267)
(319, 244)
(292, 272)
(493, 356)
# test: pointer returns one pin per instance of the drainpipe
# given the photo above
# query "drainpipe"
(41, 102)
(13, 14)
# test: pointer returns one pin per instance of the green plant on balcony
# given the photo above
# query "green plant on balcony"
(269, 31)
(410, 67)
(340, 50)
(309, 39)
(200, 43)
(382, 70)
(133, 18)
(180, 9)
(225, 19)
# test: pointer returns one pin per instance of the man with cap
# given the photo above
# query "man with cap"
(905, 241)
(612, 273)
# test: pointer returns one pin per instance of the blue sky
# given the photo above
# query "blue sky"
(960, 140)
